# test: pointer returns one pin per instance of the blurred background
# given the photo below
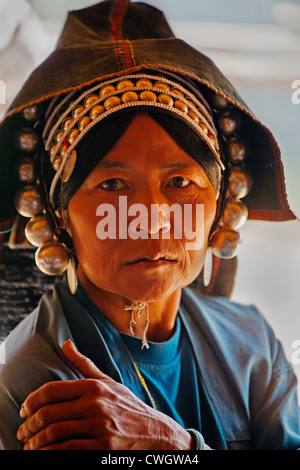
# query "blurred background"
(256, 44)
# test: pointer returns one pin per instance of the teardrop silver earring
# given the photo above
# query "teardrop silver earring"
(72, 276)
(207, 267)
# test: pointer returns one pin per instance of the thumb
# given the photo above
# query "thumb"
(82, 363)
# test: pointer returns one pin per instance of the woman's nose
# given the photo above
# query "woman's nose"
(153, 218)
(158, 220)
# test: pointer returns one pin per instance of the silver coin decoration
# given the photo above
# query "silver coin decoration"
(207, 268)
(72, 276)
(69, 166)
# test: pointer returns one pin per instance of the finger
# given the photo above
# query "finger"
(85, 366)
(63, 431)
(52, 392)
(47, 415)
(75, 444)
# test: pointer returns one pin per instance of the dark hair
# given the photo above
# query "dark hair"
(101, 138)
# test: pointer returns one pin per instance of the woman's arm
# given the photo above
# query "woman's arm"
(95, 413)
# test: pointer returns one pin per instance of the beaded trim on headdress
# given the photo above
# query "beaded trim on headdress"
(61, 135)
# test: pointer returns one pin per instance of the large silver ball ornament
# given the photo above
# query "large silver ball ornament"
(240, 182)
(237, 150)
(235, 213)
(230, 122)
(38, 231)
(52, 258)
(26, 140)
(31, 113)
(28, 201)
(26, 171)
(225, 243)
(219, 102)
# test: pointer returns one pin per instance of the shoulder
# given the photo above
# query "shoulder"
(236, 326)
(31, 353)
(220, 308)
(31, 356)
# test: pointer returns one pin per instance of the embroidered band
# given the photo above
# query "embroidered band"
(71, 119)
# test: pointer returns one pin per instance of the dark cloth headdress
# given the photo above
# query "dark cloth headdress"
(103, 44)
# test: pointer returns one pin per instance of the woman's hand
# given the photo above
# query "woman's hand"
(95, 413)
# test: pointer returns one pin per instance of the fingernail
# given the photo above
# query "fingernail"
(23, 413)
(27, 446)
(69, 343)
(20, 434)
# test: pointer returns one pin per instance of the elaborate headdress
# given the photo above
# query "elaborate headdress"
(111, 57)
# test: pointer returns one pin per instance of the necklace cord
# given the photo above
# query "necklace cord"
(140, 377)
(136, 312)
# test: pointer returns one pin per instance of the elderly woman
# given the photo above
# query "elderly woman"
(137, 164)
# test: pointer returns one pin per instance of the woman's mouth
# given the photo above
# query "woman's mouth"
(153, 262)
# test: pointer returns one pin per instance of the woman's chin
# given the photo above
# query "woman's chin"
(149, 292)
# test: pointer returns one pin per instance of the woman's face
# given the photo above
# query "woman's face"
(148, 168)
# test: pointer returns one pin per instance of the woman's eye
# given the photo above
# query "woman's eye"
(113, 184)
(179, 182)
